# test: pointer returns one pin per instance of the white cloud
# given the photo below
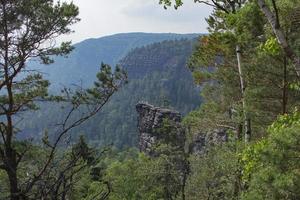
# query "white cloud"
(106, 17)
(190, 12)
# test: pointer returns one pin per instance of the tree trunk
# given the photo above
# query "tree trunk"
(284, 87)
(11, 169)
(186, 170)
(183, 186)
(10, 157)
(239, 132)
(273, 20)
(64, 188)
(10, 153)
(242, 84)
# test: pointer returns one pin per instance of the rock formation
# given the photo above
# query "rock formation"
(150, 120)
(202, 141)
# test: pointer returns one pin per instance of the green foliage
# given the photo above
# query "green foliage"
(133, 175)
(215, 175)
(271, 47)
(269, 80)
(134, 179)
(167, 3)
(28, 29)
(129, 174)
(272, 165)
(269, 168)
(4, 185)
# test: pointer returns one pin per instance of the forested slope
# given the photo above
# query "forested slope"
(156, 73)
(81, 65)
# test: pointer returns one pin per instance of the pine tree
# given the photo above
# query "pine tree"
(28, 29)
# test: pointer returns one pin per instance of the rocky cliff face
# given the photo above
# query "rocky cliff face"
(202, 141)
(150, 120)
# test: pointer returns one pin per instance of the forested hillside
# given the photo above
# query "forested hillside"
(157, 73)
(81, 65)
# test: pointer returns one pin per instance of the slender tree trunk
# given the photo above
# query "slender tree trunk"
(284, 87)
(274, 22)
(247, 124)
(237, 184)
(10, 157)
(239, 132)
(186, 171)
(64, 193)
(12, 176)
(183, 186)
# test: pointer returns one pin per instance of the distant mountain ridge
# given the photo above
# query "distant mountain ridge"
(157, 74)
(81, 66)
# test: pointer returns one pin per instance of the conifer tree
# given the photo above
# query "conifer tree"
(28, 29)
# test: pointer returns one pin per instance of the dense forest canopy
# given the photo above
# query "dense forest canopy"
(242, 142)
(87, 55)
(157, 73)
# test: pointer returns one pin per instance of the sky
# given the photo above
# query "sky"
(106, 17)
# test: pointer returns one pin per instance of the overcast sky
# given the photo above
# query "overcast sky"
(107, 17)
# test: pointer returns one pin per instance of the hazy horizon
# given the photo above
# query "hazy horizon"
(101, 18)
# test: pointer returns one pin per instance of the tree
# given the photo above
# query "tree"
(269, 41)
(230, 7)
(28, 29)
(271, 166)
(247, 27)
(215, 175)
(273, 18)
(160, 175)
(274, 21)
